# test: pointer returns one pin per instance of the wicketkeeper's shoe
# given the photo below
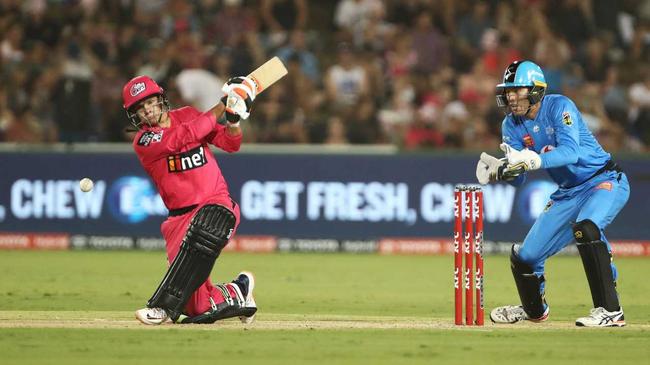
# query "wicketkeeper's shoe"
(245, 281)
(514, 314)
(600, 317)
(151, 316)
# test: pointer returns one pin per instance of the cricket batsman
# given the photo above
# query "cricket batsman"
(547, 132)
(172, 146)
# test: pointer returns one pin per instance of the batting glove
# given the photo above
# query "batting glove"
(240, 93)
(241, 84)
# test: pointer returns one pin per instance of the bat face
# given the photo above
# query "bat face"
(267, 74)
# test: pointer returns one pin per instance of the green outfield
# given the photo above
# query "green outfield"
(77, 308)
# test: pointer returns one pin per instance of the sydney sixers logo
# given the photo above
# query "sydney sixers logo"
(137, 88)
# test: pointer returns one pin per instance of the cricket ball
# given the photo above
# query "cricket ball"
(86, 184)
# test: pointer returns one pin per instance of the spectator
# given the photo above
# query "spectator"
(199, 87)
(572, 18)
(336, 132)
(106, 92)
(300, 90)
(429, 45)
(283, 16)
(275, 124)
(472, 26)
(223, 29)
(11, 45)
(354, 15)
(72, 94)
(614, 97)
(6, 115)
(297, 48)
(156, 60)
(346, 82)
(399, 111)
(498, 52)
(640, 107)
(401, 58)
(24, 128)
(596, 63)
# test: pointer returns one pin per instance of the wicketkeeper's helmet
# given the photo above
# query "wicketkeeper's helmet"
(522, 74)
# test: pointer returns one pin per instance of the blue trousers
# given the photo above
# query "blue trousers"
(599, 200)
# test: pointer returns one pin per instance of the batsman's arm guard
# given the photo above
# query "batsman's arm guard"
(206, 236)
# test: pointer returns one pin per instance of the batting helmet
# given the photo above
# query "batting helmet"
(139, 88)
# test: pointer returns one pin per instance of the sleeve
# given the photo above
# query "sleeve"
(564, 117)
(509, 136)
(223, 140)
(151, 146)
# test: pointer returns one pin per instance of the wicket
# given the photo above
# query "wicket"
(470, 200)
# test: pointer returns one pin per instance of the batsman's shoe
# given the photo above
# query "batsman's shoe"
(514, 314)
(151, 316)
(600, 317)
(240, 305)
(245, 281)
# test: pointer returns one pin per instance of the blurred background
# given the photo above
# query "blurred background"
(416, 74)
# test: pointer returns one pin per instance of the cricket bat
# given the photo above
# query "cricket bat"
(268, 74)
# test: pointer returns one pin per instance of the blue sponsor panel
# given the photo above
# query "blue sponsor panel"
(40, 193)
(345, 197)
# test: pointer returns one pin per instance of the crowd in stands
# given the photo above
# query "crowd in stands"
(414, 73)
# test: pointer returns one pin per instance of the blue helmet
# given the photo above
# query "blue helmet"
(522, 74)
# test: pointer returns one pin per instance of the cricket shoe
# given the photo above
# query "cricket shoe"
(600, 317)
(514, 314)
(152, 316)
(245, 282)
(240, 305)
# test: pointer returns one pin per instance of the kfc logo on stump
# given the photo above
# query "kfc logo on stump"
(187, 160)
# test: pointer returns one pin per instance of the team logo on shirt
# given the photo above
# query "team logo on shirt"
(150, 137)
(187, 160)
(547, 148)
(528, 141)
(566, 118)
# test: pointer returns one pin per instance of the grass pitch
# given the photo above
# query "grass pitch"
(76, 307)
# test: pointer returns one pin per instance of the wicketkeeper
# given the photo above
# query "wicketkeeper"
(173, 148)
(547, 132)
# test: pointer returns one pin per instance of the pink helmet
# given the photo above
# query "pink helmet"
(139, 88)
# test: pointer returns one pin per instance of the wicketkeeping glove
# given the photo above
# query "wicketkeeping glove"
(490, 169)
(524, 160)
